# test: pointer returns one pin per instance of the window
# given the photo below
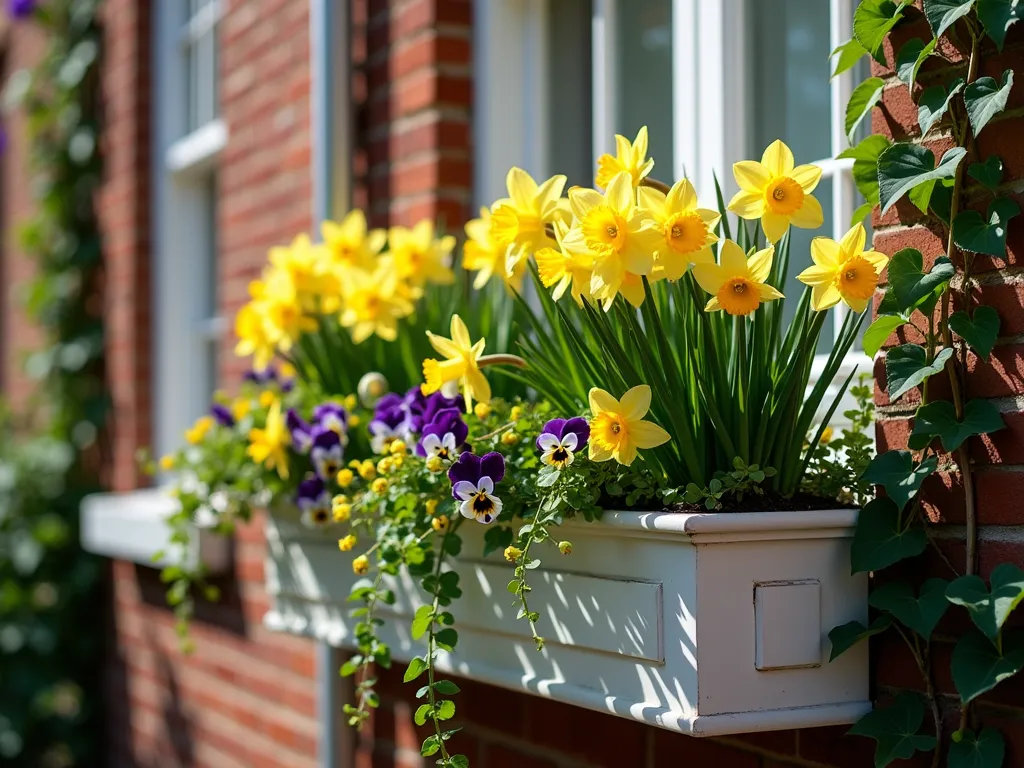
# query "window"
(189, 137)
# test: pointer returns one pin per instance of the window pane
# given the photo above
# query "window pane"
(570, 92)
(644, 76)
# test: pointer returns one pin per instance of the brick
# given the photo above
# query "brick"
(500, 756)
(677, 749)
(570, 730)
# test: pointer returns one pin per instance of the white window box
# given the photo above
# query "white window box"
(707, 624)
(133, 526)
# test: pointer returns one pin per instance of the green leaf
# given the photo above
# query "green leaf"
(903, 166)
(978, 666)
(896, 729)
(422, 713)
(416, 667)
(872, 21)
(497, 539)
(895, 471)
(997, 16)
(846, 56)
(938, 419)
(980, 332)
(986, 750)
(910, 283)
(459, 761)
(863, 99)
(862, 212)
(880, 539)
(879, 331)
(922, 613)
(446, 687)
(910, 58)
(431, 746)
(865, 164)
(907, 366)
(921, 195)
(844, 637)
(446, 710)
(350, 667)
(989, 173)
(985, 98)
(934, 102)
(942, 14)
(421, 621)
(447, 638)
(989, 610)
(973, 233)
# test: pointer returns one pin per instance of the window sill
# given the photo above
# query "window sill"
(198, 152)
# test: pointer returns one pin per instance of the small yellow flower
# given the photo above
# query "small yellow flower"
(513, 553)
(345, 478)
(167, 463)
(628, 157)
(198, 431)
(350, 402)
(367, 470)
(516, 413)
(240, 408)
(843, 271)
(397, 462)
(461, 364)
(380, 485)
(361, 565)
(510, 438)
(398, 447)
(266, 398)
(431, 506)
(736, 283)
(347, 543)
(354, 420)
(826, 436)
(355, 464)
(342, 512)
(385, 465)
(270, 445)
(440, 523)
(565, 547)
(482, 410)
(777, 192)
(617, 428)
(435, 464)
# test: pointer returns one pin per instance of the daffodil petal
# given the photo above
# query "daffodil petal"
(751, 176)
(760, 264)
(620, 194)
(710, 277)
(817, 275)
(636, 402)
(625, 454)
(445, 347)
(824, 296)
(601, 401)
(583, 200)
(825, 252)
(550, 190)
(597, 452)
(809, 215)
(857, 305)
(807, 176)
(521, 188)
(732, 260)
(877, 259)
(682, 196)
(774, 225)
(853, 241)
(640, 142)
(769, 292)
(778, 159)
(647, 434)
(713, 305)
(747, 205)
(460, 333)
(653, 200)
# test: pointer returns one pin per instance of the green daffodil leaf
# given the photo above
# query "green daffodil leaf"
(989, 173)
(844, 637)
(896, 728)
(880, 330)
(980, 332)
(985, 235)
(881, 538)
(910, 58)
(942, 14)
(934, 103)
(910, 283)
(938, 419)
(907, 366)
(997, 16)
(978, 665)
(873, 20)
(895, 471)
(863, 99)
(920, 613)
(903, 166)
(986, 750)
(985, 98)
(989, 609)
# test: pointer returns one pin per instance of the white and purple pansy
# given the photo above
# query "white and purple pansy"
(332, 416)
(473, 480)
(388, 423)
(444, 435)
(560, 439)
(314, 502)
(326, 452)
(301, 432)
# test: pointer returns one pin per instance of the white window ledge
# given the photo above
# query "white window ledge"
(199, 151)
(133, 526)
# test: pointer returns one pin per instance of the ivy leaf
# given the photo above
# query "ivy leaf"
(910, 283)
(921, 195)
(934, 103)
(989, 173)
(865, 164)
(972, 233)
(863, 99)
(873, 20)
(980, 332)
(986, 750)
(938, 419)
(880, 330)
(942, 14)
(910, 58)
(895, 728)
(861, 213)
(845, 636)
(989, 610)
(997, 16)
(895, 471)
(922, 613)
(985, 98)
(880, 539)
(846, 55)
(903, 166)
(978, 666)
(497, 539)
(906, 366)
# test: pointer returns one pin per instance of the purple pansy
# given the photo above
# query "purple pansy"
(437, 402)
(326, 452)
(269, 375)
(443, 436)
(387, 424)
(222, 415)
(301, 431)
(473, 480)
(21, 9)
(560, 439)
(314, 501)
(332, 416)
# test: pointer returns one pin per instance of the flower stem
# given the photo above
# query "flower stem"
(432, 643)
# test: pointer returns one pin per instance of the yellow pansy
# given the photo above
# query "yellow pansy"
(686, 229)
(617, 427)
(843, 270)
(776, 192)
(373, 304)
(269, 445)
(418, 257)
(349, 245)
(486, 256)
(520, 220)
(620, 237)
(631, 158)
(736, 283)
(461, 364)
(564, 269)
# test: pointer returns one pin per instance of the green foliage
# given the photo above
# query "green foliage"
(979, 665)
(911, 283)
(984, 750)
(985, 98)
(879, 331)
(980, 332)
(907, 366)
(987, 235)
(910, 58)
(942, 14)
(902, 167)
(997, 16)
(897, 472)
(921, 612)
(938, 419)
(883, 538)
(989, 173)
(873, 20)
(989, 610)
(845, 636)
(864, 98)
(896, 729)
(934, 103)
(736, 484)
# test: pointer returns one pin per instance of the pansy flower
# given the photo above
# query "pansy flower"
(326, 452)
(331, 416)
(314, 502)
(443, 436)
(222, 414)
(388, 425)
(437, 402)
(301, 432)
(560, 439)
(473, 480)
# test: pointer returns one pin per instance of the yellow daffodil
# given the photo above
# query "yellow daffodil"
(461, 364)
(843, 270)
(198, 431)
(348, 243)
(736, 283)
(269, 445)
(618, 236)
(284, 316)
(776, 192)
(564, 269)
(631, 158)
(253, 338)
(418, 257)
(373, 304)
(686, 230)
(520, 220)
(303, 264)
(618, 429)
(486, 256)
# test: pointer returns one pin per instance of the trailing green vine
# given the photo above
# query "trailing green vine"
(894, 527)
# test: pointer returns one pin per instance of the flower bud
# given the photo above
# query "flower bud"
(565, 547)
(513, 553)
(510, 438)
(347, 543)
(482, 410)
(440, 523)
(431, 506)
(435, 464)
(371, 388)
(361, 565)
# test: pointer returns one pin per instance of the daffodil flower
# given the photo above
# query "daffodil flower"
(418, 257)
(564, 269)
(350, 245)
(520, 220)
(484, 254)
(776, 192)
(686, 229)
(268, 445)
(373, 304)
(843, 270)
(736, 283)
(618, 429)
(461, 364)
(628, 157)
(253, 338)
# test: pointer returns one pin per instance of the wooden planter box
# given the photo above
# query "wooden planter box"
(707, 624)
